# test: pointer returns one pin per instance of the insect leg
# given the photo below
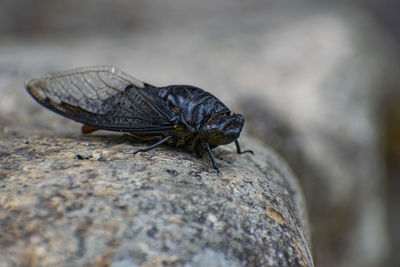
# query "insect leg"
(211, 156)
(154, 145)
(239, 151)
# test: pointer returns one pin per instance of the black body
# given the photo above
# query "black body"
(106, 98)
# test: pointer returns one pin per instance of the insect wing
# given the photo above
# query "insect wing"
(103, 97)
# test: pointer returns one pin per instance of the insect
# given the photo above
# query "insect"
(106, 98)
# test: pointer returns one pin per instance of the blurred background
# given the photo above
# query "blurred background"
(316, 80)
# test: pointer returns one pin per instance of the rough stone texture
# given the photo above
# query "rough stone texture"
(311, 70)
(78, 200)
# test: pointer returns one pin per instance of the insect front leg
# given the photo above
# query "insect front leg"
(155, 145)
(211, 157)
(239, 151)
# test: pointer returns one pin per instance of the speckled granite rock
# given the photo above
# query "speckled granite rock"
(77, 200)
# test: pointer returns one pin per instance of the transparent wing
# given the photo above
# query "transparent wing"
(94, 89)
(104, 97)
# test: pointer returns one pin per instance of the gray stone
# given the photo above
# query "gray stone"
(77, 200)
(73, 200)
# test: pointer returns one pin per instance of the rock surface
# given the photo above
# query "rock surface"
(77, 200)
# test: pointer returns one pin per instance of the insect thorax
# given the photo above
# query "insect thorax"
(193, 106)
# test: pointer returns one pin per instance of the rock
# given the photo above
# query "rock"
(86, 200)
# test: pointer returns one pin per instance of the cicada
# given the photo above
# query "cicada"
(106, 98)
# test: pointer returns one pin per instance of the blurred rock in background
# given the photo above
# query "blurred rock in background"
(315, 80)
